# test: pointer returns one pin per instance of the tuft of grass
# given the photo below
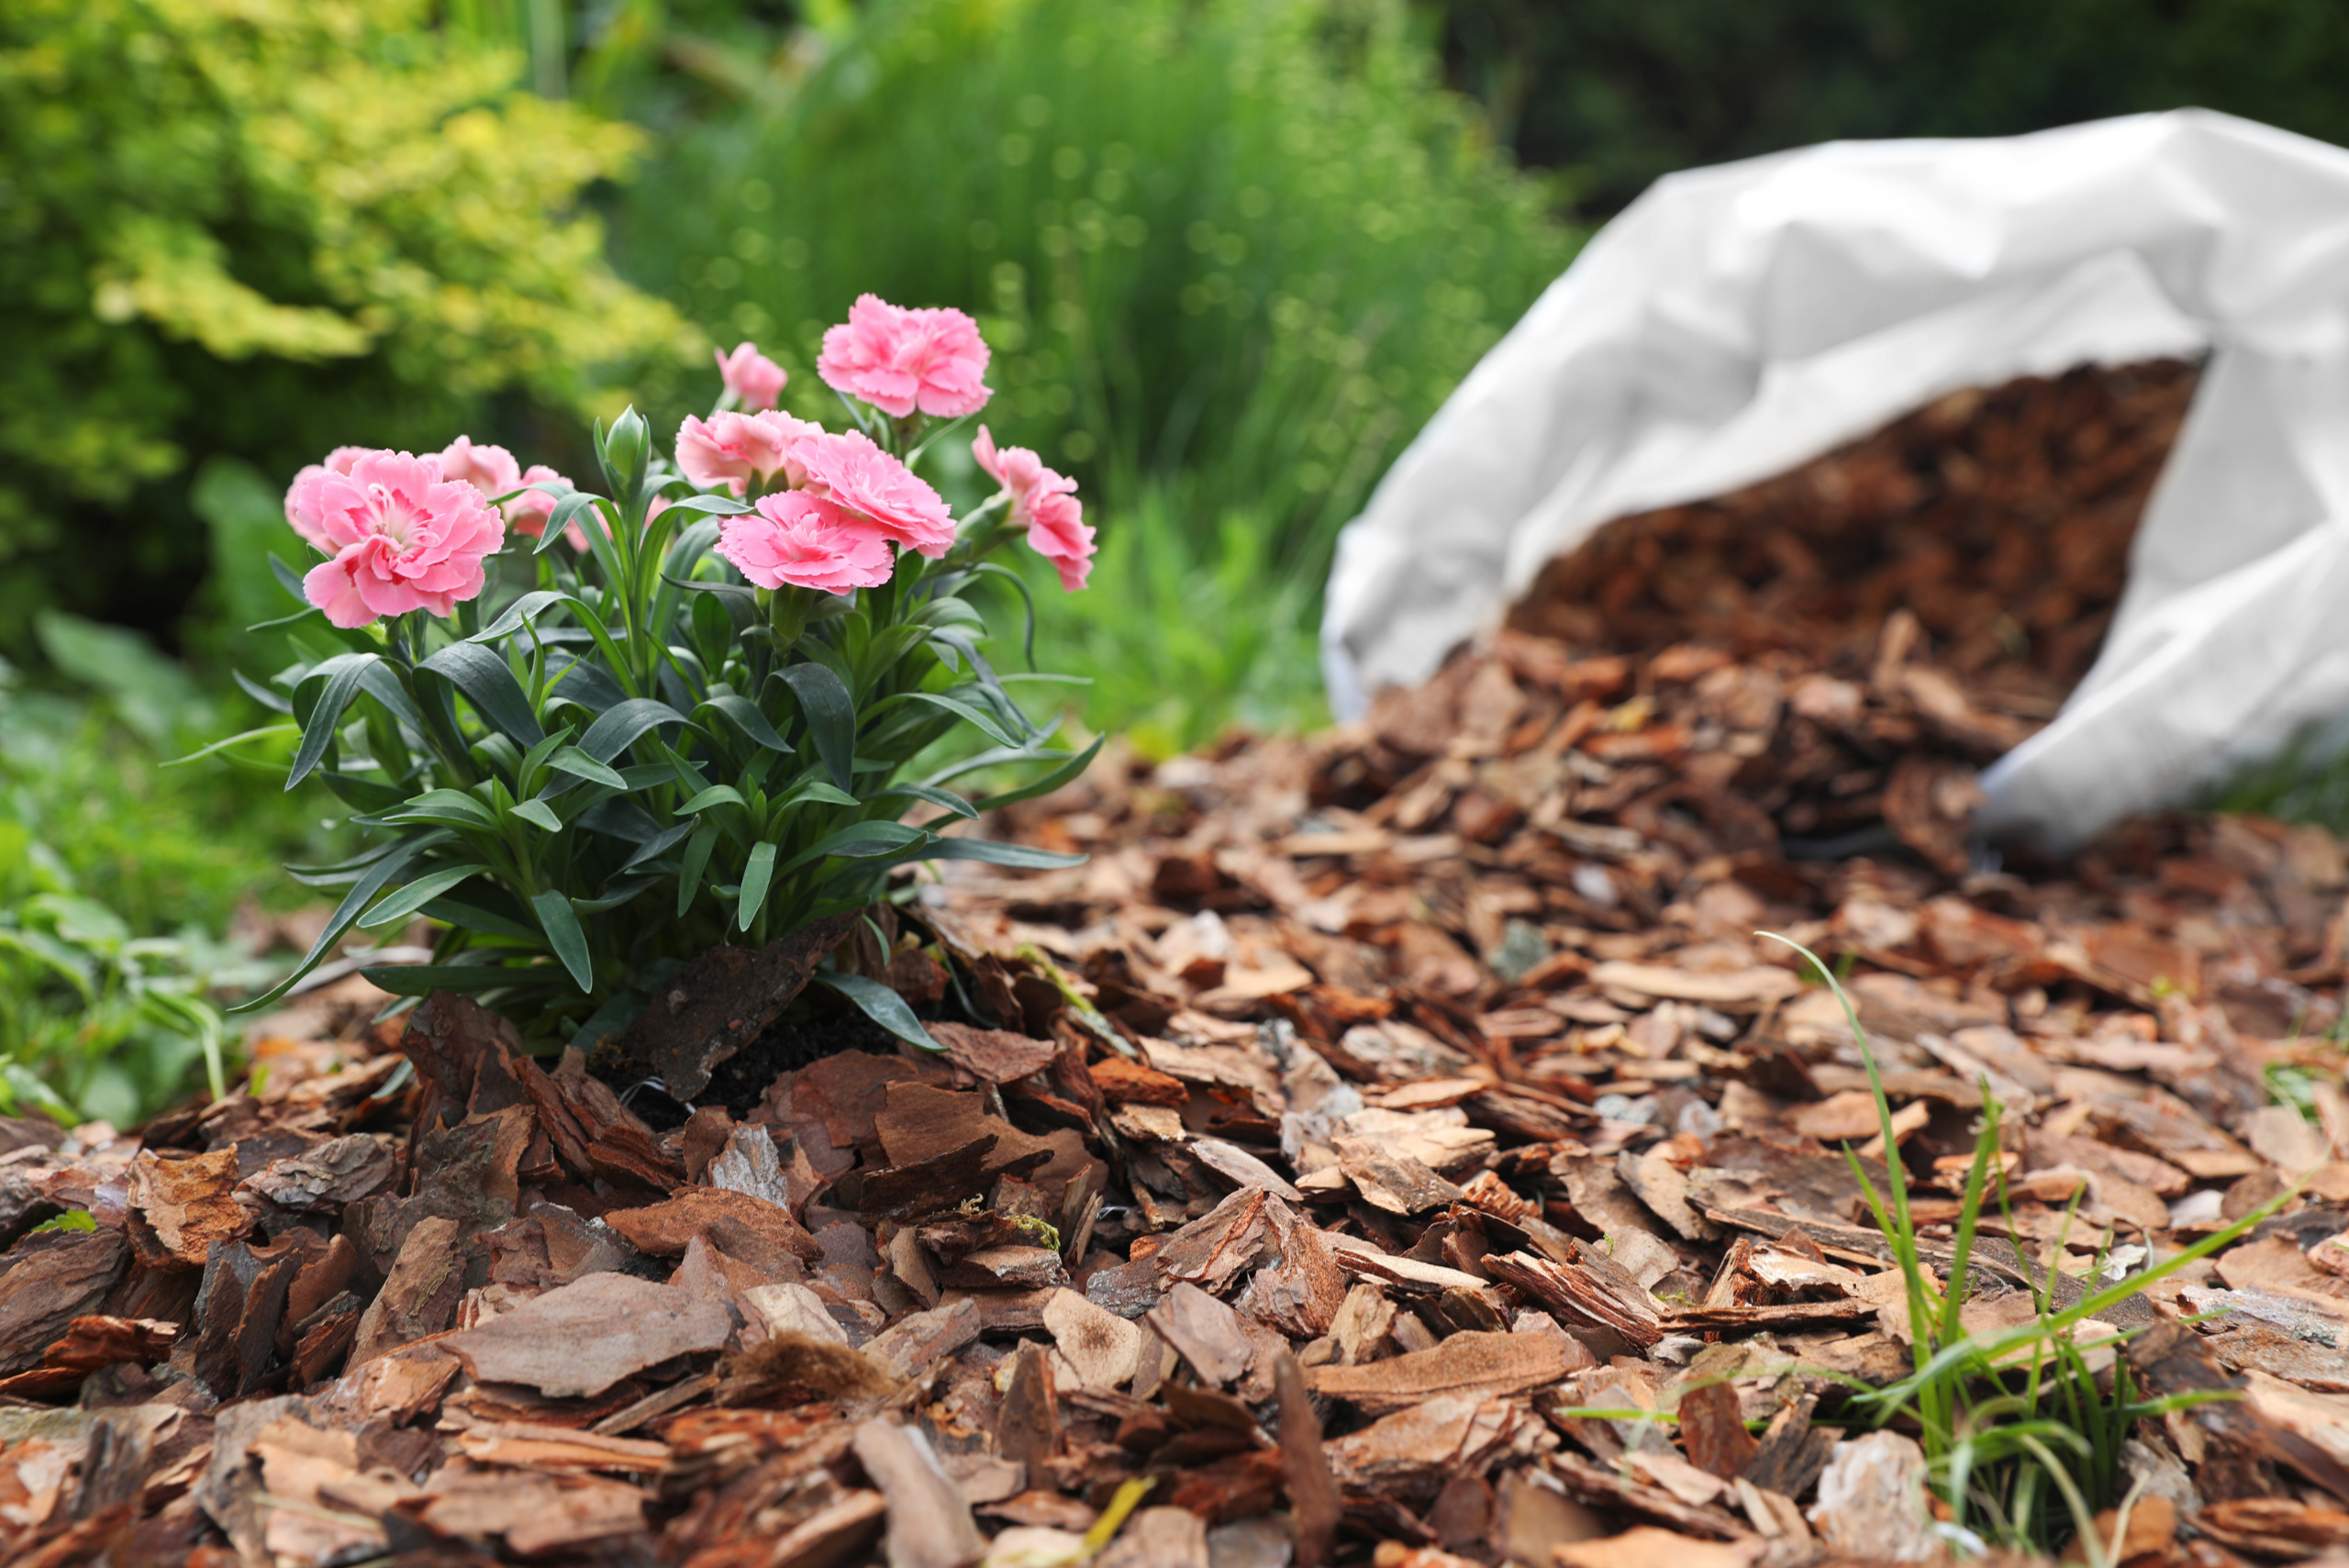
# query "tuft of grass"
(2022, 1441)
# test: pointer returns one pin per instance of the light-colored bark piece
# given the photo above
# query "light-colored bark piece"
(1100, 1349)
(1159, 1538)
(930, 1523)
(919, 1340)
(791, 1308)
(1207, 1331)
(1470, 1364)
(587, 1336)
(1871, 1503)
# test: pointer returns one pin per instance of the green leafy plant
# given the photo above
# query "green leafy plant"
(2021, 1437)
(596, 764)
(96, 1022)
(1186, 635)
(120, 884)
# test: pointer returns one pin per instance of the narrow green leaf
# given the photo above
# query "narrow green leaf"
(979, 718)
(619, 728)
(717, 795)
(831, 718)
(954, 804)
(539, 813)
(362, 893)
(817, 790)
(744, 716)
(234, 740)
(400, 906)
(883, 1005)
(471, 915)
(566, 512)
(715, 506)
(756, 874)
(526, 775)
(580, 765)
(520, 611)
(491, 687)
(661, 843)
(445, 807)
(466, 979)
(343, 673)
(859, 840)
(561, 923)
(696, 857)
(1071, 767)
(287, 578)
(987, 850)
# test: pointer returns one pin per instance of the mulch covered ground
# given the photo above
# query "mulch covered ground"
(1364, 1106)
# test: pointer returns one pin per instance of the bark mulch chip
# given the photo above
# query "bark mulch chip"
(1340, 1159)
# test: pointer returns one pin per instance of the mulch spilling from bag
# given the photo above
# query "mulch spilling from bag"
(1365, 1108)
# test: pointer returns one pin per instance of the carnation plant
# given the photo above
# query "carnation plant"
(594, 734)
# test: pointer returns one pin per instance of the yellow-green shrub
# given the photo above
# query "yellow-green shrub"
(263, 227)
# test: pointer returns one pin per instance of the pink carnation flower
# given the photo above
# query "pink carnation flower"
(730, 450)
(1058, 532)
(755, 380)
(301, 496)
(851, 472)
(805, 543)
(1044, 503)
(404, 539)
(492, 470)
(900, 360)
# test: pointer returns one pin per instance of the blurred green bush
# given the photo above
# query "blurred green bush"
(121, 882)
(1241, 249)
(262, 229)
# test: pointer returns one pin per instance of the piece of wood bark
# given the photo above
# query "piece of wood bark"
(1313, 1500)
(919, 1340)
(419, 1295)
(722, 1002)
(929, 1522)
(1027, 1425)
(1479, 1365)
(1712, 1429)
(994, 1056)
(48, 1282)
(1390, 1179)
(1099, 1349)
(587, 1336)
(179, 1208)
(1581, 1296)
(1598, 1485)
(1205, 1331)
(664, 1229)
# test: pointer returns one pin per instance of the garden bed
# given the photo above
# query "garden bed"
(1400, 1136)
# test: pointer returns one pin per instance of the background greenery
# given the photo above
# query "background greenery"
(1621, 90)
(1243, 247)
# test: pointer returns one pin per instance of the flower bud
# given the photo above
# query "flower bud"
(627, 447)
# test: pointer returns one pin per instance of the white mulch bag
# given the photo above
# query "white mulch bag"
(1737, 321)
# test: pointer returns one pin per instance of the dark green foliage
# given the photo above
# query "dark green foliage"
(1623, 91)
